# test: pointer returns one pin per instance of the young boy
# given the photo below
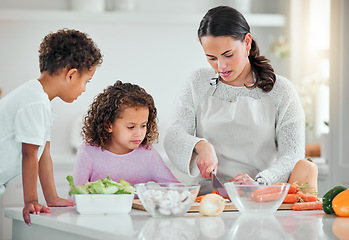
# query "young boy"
(68, 60)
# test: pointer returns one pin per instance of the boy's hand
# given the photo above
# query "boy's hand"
(35, 208)
(60, 202)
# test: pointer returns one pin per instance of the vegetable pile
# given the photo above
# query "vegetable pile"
(101, 186)
(301, 200)
(335, 201)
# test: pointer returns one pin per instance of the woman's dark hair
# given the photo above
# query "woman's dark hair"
(109, 106)
(227, 21)
(68, 48)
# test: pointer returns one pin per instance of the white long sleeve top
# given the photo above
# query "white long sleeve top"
(180, 138)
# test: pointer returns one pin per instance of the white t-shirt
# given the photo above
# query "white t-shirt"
(25, 117)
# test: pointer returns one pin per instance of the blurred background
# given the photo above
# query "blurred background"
(153, 43)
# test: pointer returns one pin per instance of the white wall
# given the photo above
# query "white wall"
(158, 57)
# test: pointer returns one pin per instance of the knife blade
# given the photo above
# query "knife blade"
(217, 185)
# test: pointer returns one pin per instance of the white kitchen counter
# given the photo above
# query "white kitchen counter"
(66, 223)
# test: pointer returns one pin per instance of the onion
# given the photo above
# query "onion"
(212, 205)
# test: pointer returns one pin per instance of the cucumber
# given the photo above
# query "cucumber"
(329, 196)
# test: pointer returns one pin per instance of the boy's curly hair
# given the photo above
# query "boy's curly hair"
(109, 106)
(68, 48)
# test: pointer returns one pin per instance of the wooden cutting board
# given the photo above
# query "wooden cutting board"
(195, 207)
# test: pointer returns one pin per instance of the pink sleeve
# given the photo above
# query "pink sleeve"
(83, 166)
(160, 172)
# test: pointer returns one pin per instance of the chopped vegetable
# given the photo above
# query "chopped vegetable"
(291, 198)
(76, 189)
(340, 204)
(268, 197)
(329, 196)
(266, 194)
(198, 199)
(293, 188)
(264, 190)
(307, 197)
(101, 186)
(212, 205)
(307, 206)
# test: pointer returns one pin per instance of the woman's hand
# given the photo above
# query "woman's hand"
(35, 208)
(207, 159)
(60, 202)
(243, 179)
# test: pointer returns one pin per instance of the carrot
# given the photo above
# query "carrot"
(308, 197)
(198, 199)
(293, 188)
(267, 197)
(264, 190)
(307, 206)
(291, 198)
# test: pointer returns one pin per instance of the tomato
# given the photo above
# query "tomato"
(340, 204)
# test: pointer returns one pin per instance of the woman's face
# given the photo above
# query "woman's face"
(128, 131)
(228, 57)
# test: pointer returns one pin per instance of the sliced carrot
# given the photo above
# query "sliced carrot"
(198, 199)
(264, 190)
(307, 206)
(293, 188)
(291, 198)
(268, 197)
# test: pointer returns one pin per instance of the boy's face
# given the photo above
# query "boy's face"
(128, 132)
(77, 85)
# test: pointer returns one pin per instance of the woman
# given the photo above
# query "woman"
(237, 118)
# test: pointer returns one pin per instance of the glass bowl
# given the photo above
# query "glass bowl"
(257, 198)
(167, 199)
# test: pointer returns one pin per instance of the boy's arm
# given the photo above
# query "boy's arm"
(46, 175)
(47, 180)
(29, 179)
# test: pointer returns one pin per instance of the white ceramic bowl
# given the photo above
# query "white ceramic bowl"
(257, 198)
(103, 203)
(167, 199)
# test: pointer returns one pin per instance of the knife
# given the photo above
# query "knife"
(217, 185)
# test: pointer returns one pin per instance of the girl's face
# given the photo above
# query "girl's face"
(228, 57)
(128, 132)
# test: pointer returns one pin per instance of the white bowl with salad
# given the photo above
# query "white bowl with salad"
(103, 196)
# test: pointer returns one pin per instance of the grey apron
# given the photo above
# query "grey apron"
(242, 133)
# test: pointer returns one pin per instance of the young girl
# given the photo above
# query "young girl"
(119, 130)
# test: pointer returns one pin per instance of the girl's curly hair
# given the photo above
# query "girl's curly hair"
(109, 106)
(68, 48)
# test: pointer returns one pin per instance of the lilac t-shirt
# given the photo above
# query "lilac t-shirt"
(139, 166)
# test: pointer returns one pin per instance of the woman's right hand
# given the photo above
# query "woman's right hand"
(207, 159)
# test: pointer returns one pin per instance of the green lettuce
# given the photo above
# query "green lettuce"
(101, 186)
